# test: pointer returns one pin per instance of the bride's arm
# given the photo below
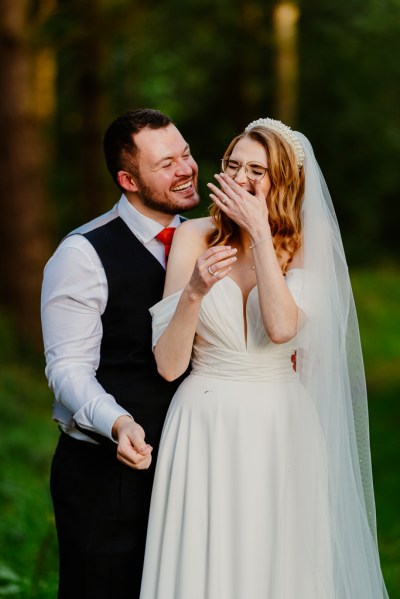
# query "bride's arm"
(278, 309)
(189, 272)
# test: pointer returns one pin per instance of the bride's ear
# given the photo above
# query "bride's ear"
(127, 181)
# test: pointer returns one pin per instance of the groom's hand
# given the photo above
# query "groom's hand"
(132, 449)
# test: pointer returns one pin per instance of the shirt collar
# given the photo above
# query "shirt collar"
(142, 226)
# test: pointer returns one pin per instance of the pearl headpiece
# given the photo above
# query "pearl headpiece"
(285, 132)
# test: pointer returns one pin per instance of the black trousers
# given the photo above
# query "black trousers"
(101, 509)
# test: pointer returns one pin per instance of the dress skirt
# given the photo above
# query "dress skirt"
(239, 506)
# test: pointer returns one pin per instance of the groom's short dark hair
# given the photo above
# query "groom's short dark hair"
(119, 147)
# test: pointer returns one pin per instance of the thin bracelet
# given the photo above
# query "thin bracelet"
(253, 245)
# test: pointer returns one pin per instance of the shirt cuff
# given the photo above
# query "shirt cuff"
(102, 418)
(105, 416)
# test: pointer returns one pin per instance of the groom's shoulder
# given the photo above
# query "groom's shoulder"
(97, 222)
(76, 237)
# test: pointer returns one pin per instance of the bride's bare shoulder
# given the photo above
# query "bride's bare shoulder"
(189, 242)
(196, 230)
(199, 225)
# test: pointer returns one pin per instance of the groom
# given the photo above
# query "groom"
(110, 401)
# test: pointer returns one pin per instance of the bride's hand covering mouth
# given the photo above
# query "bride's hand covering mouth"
(247, 208)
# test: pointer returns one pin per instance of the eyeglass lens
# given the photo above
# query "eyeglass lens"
(253, 170)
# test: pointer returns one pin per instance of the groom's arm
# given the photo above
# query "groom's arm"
(74, 296)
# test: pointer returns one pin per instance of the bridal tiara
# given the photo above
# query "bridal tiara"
(285, 132)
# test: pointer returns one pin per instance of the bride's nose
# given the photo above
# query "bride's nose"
(241, 177)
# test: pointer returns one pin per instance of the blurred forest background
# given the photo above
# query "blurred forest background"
(67, 68)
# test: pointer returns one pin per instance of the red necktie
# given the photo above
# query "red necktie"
(165, 236)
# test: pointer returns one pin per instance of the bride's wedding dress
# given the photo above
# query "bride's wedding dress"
(239, 507)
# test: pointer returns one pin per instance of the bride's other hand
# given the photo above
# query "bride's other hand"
(210, 267)
(193, 269)
(247, 209)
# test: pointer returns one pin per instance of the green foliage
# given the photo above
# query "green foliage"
(211, 66)
(208, 65)
(384, 414)
(28, 563)
(377, 295)
(349, 108)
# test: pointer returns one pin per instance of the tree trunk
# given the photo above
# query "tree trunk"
(26, 99)
(92, 104)
(285, 17)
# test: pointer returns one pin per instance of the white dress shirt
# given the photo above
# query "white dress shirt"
(74, 297)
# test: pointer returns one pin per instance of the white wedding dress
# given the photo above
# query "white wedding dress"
(239, 507)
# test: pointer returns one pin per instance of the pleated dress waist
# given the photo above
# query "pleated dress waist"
(244, 366)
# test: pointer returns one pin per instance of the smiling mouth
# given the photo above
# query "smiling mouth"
(183, 186)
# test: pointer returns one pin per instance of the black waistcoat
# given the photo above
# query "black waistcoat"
(127, 368)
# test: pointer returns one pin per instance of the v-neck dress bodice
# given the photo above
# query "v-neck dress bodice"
(231, 341)
(239, 504)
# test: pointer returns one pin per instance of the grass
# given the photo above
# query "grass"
(377, 295)
(28, 562)
(28, 555)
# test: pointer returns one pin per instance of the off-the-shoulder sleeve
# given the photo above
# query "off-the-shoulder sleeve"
(296, 280)
(162, 312)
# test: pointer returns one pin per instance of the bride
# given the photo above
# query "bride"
(263, 487)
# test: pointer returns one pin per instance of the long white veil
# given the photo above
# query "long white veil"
(330, 366)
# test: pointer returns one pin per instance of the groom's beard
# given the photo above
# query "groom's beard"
(167, 202)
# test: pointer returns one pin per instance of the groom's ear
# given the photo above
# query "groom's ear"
(127, 181)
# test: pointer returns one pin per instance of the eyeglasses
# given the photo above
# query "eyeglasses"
(253, 170)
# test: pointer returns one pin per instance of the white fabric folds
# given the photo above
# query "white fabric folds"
(330, 366)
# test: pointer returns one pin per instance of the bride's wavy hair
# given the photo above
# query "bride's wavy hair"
(284, 200)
